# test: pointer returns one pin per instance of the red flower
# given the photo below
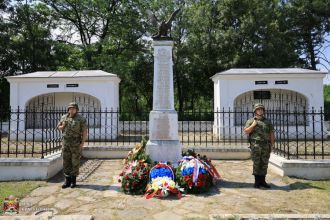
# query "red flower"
(135, 173)
(138, 168)
(119, 180)
(126, 177)
(127, 186)
(121, 174)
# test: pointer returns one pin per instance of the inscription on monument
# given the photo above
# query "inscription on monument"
(164, 78)
(164, 86)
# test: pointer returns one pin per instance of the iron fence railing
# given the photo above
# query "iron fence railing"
(33, 133)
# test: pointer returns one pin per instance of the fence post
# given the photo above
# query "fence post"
(223, 125)
(313, 118)
(33, 128)
(305, 132)
(287, 130)
(297, 142)
(17, 129)
(9, 130)
(25, 128)
(42, 130)
(322, 132)
(106, 125)
(229, 124)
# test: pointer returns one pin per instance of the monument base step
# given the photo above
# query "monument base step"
(225, 152)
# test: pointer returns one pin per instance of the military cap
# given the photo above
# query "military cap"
(258, 105)
(73, 105)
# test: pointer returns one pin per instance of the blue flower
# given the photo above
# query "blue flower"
(161, 172)
(190, 170)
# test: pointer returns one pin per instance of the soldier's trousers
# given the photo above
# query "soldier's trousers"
(260, 156)
(71, 160)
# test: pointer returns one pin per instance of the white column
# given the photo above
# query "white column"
(163, 144)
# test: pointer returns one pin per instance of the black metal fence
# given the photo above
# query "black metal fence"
(33, 133)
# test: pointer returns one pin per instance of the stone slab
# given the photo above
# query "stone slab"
(30, 168)
(307, 169)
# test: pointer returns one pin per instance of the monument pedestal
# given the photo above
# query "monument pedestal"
(164, 150)
(163, 144)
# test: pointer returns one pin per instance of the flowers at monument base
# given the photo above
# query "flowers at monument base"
(134, 177)
(138, 153)
(162, 182)
(196, 175)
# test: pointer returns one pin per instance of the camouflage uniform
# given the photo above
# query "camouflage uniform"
(260, 145)
(72, 137)
(72, 129)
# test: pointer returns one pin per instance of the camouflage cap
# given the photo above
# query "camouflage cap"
(73, 105)
(258, 105)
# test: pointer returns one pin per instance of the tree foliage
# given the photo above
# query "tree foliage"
(115, 36)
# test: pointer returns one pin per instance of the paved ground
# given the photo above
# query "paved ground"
(99, 195)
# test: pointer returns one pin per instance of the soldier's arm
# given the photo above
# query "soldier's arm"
(272, 135)
(61, 124)
(272, 138)
(84, 137)
(249, 127)
(84, 133)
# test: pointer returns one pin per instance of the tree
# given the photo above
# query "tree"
(308, 23)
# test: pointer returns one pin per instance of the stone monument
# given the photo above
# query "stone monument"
(163, 144)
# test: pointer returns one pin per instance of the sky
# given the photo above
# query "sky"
(326, 51)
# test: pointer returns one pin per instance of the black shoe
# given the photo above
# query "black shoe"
(66, 183)
(73, 181)
(263, 182)
(256, 181)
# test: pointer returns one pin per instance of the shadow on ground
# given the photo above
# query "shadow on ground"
(289, 187)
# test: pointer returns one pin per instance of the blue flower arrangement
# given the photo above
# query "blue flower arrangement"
(161, 172)
(190, 170)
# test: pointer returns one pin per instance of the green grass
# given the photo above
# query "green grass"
(322, 186)
(19, 189)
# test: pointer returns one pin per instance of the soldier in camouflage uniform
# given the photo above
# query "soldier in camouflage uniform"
(261, 136)
(74, 130)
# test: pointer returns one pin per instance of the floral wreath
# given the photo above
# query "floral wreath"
(196, 175)
(162, 182)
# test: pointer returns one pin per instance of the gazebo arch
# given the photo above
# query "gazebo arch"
(273, 99)
(57, 101)
(53, 100)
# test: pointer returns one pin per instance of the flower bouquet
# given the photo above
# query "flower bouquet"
(134, 177)
(138, 153)
(195, 175)
(162, 182)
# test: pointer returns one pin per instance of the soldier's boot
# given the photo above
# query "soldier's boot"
(66, 183)
(256, 181)
(73, 181)
(263, 182)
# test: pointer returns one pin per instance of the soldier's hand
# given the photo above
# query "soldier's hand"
(61, 125)
(254, 123)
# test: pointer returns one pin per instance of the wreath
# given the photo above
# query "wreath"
(162, 182)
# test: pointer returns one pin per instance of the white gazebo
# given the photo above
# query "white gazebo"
(93, 90)
(292, 89)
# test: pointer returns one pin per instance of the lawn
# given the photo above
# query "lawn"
(19, 189)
